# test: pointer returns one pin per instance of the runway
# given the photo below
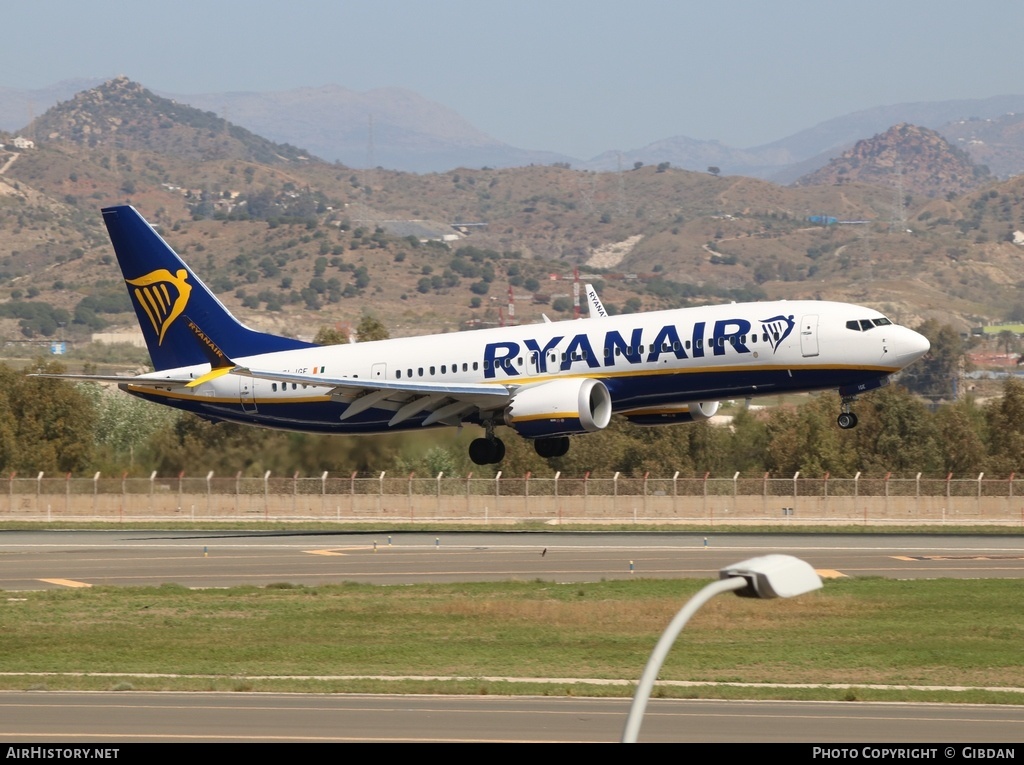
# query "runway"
(31, 560)
(35, 560)
(92, 719)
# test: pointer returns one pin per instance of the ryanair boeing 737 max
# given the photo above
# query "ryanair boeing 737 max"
(544, 381)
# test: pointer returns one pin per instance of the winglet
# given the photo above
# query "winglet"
(594, 305)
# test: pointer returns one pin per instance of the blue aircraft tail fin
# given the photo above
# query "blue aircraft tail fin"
(163, 290)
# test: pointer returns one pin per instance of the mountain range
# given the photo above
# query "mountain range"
(902, 220)
(397, 129)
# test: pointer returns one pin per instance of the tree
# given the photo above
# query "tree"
(936, 373)
(1005, 420)
(371, 328)
(960, 429)
(330, 336)
(896, 434)
(714, 170)
(51, 422)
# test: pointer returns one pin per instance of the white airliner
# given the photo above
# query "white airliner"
(545, 381)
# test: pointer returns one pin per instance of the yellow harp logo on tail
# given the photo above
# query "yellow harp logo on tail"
(163, 296)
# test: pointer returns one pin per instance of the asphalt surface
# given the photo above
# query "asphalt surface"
(34, 560)
(31, 560)
(94, 719)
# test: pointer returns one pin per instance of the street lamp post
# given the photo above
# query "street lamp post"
(768, 576)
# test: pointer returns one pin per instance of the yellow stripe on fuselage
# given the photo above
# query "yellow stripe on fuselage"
(598, 374)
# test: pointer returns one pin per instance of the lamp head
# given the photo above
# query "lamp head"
(773, 576)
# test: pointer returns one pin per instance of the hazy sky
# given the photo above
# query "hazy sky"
(573, 76)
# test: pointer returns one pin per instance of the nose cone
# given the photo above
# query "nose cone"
(910, 346)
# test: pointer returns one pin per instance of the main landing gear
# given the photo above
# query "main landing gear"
(847, 419)
(488, 450)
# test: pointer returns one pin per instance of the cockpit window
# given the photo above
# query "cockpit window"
(863, 325)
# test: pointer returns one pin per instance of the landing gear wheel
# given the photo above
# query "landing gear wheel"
(486, 451)
(497, 451)
(847, 420)
(557, 446)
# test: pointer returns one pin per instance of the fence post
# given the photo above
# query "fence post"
(209, 490)
(1009, 498)
(526, 494)
(181, 476)
(39, 491)
(352, 494)
(586, 494)
(152, 488)
(95, 493)
(646, 508)
(707, 511)
(67, 494)
(949, 499)
(380, 493)
(980, 476)
(266, 495)
(439, 475)
(615, 492)
(124, 493)
(675, 493)
(295, 493)
(323, 494)
(468, 479)
(558, 505)
(497, 492)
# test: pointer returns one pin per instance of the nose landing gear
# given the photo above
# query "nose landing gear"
(847, 419)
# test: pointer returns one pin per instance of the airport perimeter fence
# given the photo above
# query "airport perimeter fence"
(387, 498)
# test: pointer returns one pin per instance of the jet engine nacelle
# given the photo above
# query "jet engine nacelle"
(694, 411)
(560, 408)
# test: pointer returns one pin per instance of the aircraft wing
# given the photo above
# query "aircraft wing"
(156, 382)
(447, 403)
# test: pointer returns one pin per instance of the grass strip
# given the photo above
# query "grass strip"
(857, 633)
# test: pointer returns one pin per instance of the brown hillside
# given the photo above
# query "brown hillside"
(294, 244)
(913, 158)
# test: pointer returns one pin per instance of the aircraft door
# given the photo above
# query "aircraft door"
(379, 371)
(809, 335)
(247, 394)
